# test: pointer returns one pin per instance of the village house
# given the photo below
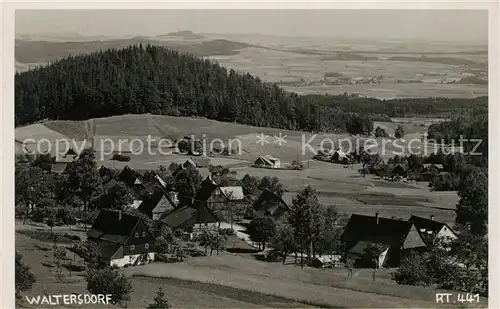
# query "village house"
(339, 156)
(192, 219)
(122, 239)
(223, 195)
(396, 239)
(133, 180)
(431, 231)
(430, 170)
(267, 162)
(270, 204)
(155, 204)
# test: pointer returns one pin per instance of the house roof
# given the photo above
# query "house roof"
(361, 246)
(265, 159)
(208, 186)
(438, 166)
(366, 228)
(107, 249)
(156, 202)
(58, 167)
(110, 227)
(189, 215)
(233, 193)
(129, 176)
(270, 203)
(180, 216)
(427, 228)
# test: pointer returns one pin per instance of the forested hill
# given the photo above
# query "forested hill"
(152, 79)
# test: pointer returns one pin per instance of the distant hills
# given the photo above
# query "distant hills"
(49, 51)
(186, 34)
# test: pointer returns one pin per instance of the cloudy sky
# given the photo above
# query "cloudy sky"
(467, 26)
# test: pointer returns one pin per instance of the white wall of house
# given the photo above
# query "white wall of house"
(131, 259)
(446, 233)
(382, 257)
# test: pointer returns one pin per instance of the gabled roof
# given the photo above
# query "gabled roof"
(189, 215)
(386, 231)
(438, 166)
(178, 217)
(427, 228)
(208, 186)
(129, 176)
(264, 159)
(360, 247)
(157, 202)
(270, 203)
(233, 193)
(110, 227)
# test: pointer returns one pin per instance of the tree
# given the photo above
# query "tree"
(379, 132)
(272, 184)
(59, 254)
(250, 185)
(306, 219)
(262, 229)
(119, 196)
(400, 132)
(159, 301)
(83, 180)
(372, 253)
(24, 276)
(109, 280)
(472, 208)
(188, 181)
(329, 238)
(284, 241)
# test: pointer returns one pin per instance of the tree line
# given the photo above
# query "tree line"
(151, 79)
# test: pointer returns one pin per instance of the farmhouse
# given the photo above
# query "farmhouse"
(339, 156)
(430, 170)
(131, 178)
(191, 220)
(156, 204)
(271, 204)
(122, 239)
(267, 162)
(395, 239)
(430, 230)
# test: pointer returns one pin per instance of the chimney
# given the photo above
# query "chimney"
(376, 216)
(432, 217)
(119, 214)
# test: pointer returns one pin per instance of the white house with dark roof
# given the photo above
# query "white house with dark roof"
(122, 239)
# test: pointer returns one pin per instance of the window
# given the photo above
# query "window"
(132, 247)
(146, 246)
(136, 235)
(143, 234)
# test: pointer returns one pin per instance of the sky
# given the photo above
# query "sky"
(458, 25)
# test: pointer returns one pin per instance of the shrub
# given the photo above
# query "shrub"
(120, 157)
(413, 271)
(194, 252)
(72, 237)
(161, 257)
(226, 231)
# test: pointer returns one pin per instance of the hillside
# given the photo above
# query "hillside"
(152, 79)
(29, 51)
(186, 34)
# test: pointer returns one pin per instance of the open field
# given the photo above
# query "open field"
(281, 67)
(336, 185)
(179, 292)
(330, 287)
